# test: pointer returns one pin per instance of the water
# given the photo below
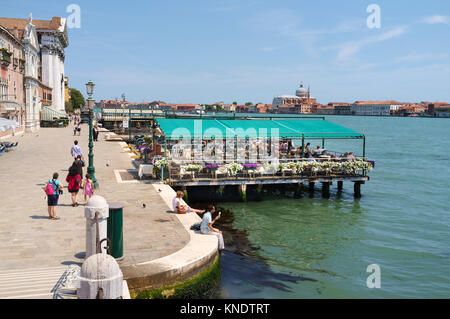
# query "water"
(316, 248)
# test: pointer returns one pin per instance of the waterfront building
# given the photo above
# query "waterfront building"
(229, 107)
(187, 107)
(12, 69)
(241, 109)
(52, 39)
(325, 110)
(373, 108)
(439, 109)
(302, 96)
(341, 108)
(43, 57)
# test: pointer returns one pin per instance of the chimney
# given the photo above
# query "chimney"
(16, 32)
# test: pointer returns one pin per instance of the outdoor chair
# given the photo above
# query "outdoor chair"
(221, 171)
(2, 149)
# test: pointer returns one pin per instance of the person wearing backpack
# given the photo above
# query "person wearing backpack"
(52, 189)
(74, 180)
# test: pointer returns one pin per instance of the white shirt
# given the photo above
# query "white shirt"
(207, 219)
(175, 203)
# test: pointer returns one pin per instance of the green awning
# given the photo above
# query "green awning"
(50, 114)
(175, 129)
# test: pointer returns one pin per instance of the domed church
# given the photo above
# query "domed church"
(302, 96)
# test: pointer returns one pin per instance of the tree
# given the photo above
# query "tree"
(234, 103)
(248, 103)
(76, 98)
(68, 106)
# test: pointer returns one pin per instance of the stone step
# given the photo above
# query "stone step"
(29, 283)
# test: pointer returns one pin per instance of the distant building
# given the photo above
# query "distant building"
(439, 109)
(341, 108)
(241, 109)
(302, 96)
(373, 108)
(325, 110)
(187, 107)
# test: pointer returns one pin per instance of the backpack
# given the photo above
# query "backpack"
(49, 189)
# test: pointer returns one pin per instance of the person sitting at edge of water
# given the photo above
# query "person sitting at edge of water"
(206, 227)
(180, 207)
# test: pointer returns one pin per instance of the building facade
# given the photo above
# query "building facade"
(12, 69)
(372, 108)
(44, 42)
(301, 97)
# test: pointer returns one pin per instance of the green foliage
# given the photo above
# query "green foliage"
(68, 106)
(234, 103)
(196, 288)
(248, 103)
(76, 98)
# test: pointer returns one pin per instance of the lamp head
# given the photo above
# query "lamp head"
(90, 88)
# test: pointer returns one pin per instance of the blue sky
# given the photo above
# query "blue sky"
(209, 51)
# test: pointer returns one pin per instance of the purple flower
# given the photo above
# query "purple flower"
(212, 166)
(250, 166)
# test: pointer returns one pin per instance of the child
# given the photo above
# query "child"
(88, 187)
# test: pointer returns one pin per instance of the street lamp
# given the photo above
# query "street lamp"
(90, 102)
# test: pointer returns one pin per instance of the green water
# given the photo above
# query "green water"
(401, 223)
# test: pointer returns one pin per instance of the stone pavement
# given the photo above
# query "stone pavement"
(29, 240)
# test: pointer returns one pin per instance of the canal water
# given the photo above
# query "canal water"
(316, 248)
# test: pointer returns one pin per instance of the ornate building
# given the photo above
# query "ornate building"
(301, 97)
(44, 42)
(31, 81)
(12, 67)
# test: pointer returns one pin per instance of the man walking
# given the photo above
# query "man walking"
(76, 150)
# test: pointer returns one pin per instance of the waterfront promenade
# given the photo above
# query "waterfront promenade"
(36, 250)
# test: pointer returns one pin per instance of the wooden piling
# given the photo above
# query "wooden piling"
(357, 189)
(340, 186)
(325, 189)
(311, 188)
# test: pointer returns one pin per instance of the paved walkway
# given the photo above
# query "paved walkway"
(29, 240)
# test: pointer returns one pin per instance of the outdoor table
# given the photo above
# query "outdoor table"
(145, 169)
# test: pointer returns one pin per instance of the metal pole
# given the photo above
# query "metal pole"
(303, 145)
(364, 146)
(91, 169)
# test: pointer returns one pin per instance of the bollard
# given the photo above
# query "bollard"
(96, 209)
(100, 278)
(115, 229)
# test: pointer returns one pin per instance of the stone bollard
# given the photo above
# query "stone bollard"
(100, 278)
(96, 205)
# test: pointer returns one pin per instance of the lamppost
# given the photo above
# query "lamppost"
(90, 104)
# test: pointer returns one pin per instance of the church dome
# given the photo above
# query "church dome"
(301, 91)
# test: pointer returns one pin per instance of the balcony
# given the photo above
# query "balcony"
(9, 105)
(5, 57)
(21, 65)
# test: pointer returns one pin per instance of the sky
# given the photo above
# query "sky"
(250, 51)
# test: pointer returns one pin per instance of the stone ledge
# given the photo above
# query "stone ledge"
(200, 252)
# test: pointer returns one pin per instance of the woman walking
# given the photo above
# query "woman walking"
(74, 180)
(52, 188)
(88, 187)
(95, 133)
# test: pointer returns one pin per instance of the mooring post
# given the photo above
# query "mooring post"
(243, 192)
(311, 188)
(325, 189)
(357, 189)
(340, 186)
(185, 192)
